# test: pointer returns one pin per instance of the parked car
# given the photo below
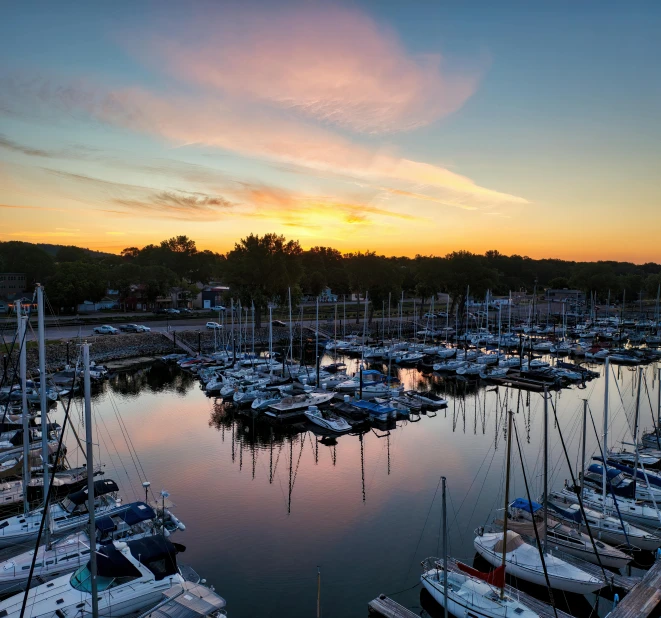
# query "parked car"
(160, 311)
(186, 310)
(213, 325)
(134, 328)
(172, 310)
(106, 330)
(278, 323)
(218, 308)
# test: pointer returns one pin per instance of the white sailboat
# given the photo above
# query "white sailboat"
(330, 422)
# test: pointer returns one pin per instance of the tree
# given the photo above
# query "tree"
(260, 270)
(464, 269)
(24, 257)
(70, 253)
(76, 282)
(430, 276)
(559, 283)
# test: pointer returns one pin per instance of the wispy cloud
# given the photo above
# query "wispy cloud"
(179, 205)
(327, 62)
(9, 144)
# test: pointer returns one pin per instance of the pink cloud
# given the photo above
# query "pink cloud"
(330, 63)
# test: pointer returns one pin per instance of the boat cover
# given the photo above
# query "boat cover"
(513, 541)
(651, 477)
(570, 514)
(133, 514)
(101, 488)
(524, 505)
(495, 577)
(157, 554)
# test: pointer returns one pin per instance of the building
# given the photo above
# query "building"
(210, 296)
(564, 294)
(12, 284)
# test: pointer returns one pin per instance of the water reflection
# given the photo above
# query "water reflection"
(362, 505)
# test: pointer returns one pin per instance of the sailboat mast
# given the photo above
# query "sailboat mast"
(22, 337)
(318, 592)
(445, 552)
(582, 470)
(546, 461)
(42, 386)
(291, 334)
(270, 334)
(90, 477)
(658, 405)
(507, 495)
(316, 343)
(635, 423)
(603, 476)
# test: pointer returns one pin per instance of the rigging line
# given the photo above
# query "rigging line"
(461, 536)
(580, 498)
(15, 371)
(424, 525)
(539, 544)
(112, 441)
(123, 430)
(47, 501)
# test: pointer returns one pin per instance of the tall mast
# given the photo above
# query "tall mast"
(635, 422)
(90, 477)
(546, 461)
(509, 315)
(445, 553)
(291, 334)
(658, 405)
(42, 386)
(507, 494)
(603, 476)
(582, 470)
(253, 331)
(316, 344)
(233, 349)
(22, 337)
(271, 335)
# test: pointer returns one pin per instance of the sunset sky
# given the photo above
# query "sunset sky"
(400, 127)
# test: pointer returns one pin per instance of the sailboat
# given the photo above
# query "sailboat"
(524, 561)
(469, 592)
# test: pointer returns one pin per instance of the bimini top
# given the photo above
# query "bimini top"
(154, 552)
(101, 488)
(131, 515)
(524, 505)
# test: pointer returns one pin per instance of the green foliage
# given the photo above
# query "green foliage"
(24, 257)
(75, 282)
(260, 270)
(70, 253)
(559, 283)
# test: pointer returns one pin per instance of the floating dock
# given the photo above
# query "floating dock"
(625, 583)
(644, 600)
(386, 607)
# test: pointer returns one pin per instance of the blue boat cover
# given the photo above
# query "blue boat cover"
(524, 505)
(598, 469)
(571, 515)
(372, 406)
(132, 514)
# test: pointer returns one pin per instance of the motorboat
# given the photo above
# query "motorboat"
(131, 577)
(67, 554)
(327, 421)
(298, 403)
(65, 516)
(523, 561)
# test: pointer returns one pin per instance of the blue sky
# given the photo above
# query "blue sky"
(400, 127)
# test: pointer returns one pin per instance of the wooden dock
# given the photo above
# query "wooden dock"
(177, 341)
(386, 607)
(644, 600)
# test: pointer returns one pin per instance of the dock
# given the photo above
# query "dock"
(177, 341)
(644, 600)
(386, 607)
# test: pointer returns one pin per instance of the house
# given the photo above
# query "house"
(327, 297)
(105, 304)
(12, 284)
(210, 295)
(565, 294)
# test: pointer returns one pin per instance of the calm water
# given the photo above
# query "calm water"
(264, 505)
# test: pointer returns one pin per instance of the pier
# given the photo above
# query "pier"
(626, 583)
(644, 600)
(386, 607)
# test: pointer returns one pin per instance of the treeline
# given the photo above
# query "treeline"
(260, 269)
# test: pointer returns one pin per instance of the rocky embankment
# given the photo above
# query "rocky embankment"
(102, 349)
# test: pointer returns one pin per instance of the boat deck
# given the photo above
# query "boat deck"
(622, 582)
(644, 599)
(544, 610)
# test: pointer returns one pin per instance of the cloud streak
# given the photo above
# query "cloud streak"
(330, 63)
(13, 146)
